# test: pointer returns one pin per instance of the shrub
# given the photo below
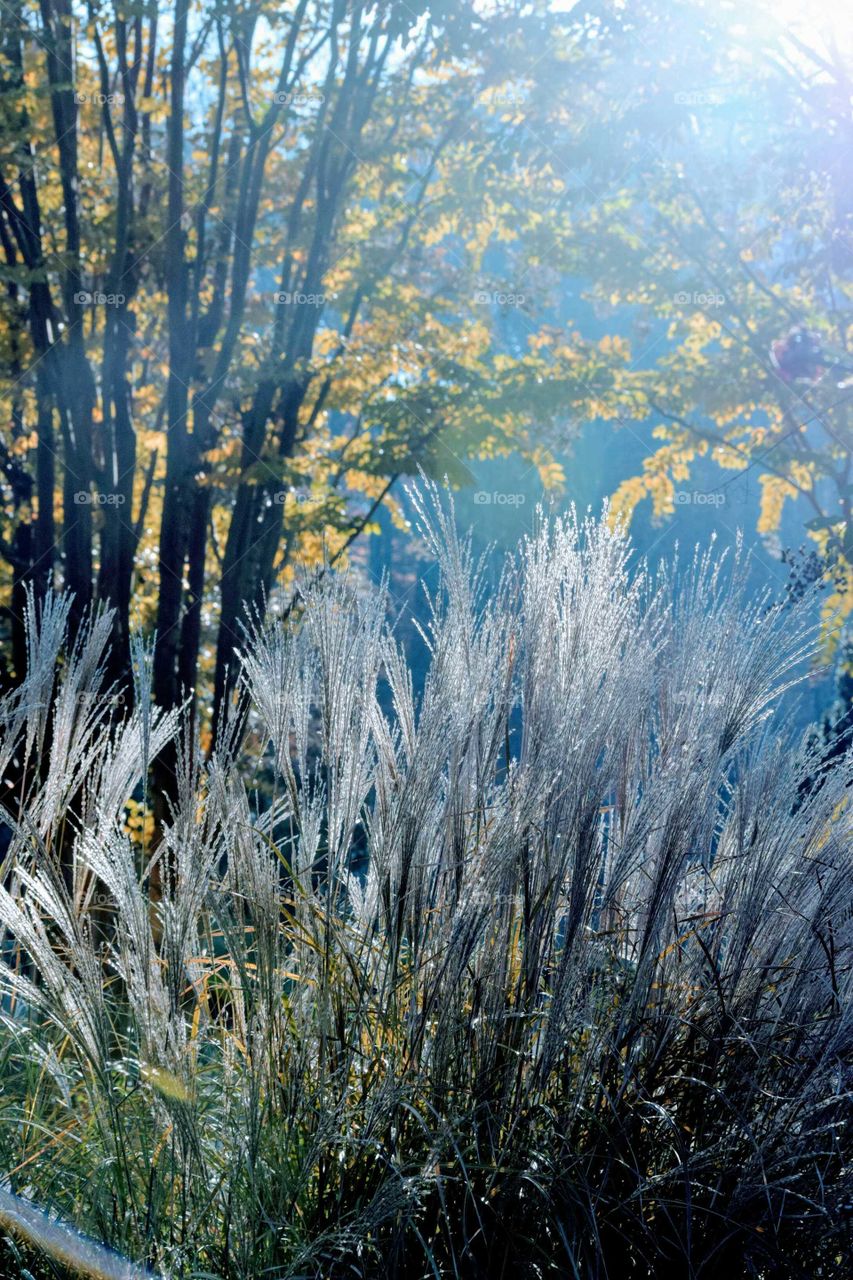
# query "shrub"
(545, 971)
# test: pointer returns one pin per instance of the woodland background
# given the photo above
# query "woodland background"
(261, 262)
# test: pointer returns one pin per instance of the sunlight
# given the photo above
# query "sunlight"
(426, 639)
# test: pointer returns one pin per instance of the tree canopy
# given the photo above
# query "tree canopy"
(261, 260)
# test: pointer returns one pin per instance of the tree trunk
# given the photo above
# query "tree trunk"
(118, 540)
(243, 586)
(177, 499)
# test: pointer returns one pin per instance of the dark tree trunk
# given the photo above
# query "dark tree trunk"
(178, 495)
(75, 415)
(253, 536)
(177, 499)
(191, 626)
(20, 550)
(75, 385)
(118, 538)
(34, 548)
(44, 538)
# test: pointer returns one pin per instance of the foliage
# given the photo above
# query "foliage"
(710, 241)
(320, 246)
(549, 973)
(246, 288)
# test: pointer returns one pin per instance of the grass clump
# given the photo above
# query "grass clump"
(543, 972)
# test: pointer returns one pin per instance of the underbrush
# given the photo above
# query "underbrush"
(543, 972)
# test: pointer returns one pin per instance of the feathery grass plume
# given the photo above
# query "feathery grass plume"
(543, 971)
